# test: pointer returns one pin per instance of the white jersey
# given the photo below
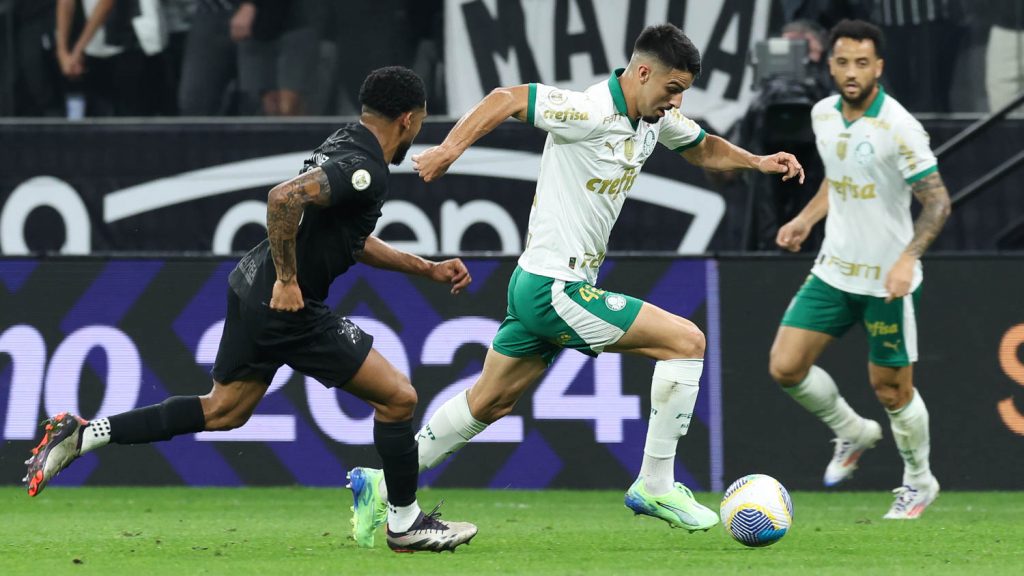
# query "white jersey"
(870, 165)
(592, 156)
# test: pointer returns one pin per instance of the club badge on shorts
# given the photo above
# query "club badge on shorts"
(615, 302)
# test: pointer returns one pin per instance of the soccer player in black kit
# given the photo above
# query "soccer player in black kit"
(318, 225)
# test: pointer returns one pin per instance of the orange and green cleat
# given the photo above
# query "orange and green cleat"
(61, 444)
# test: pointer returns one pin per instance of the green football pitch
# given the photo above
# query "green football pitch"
(298, 531)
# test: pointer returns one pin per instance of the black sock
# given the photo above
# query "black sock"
(396, 444)
(163, 421)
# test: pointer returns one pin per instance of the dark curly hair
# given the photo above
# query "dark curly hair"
(670, 46)
(857, 30)
(392, 91)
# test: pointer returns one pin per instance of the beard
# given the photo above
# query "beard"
(860, 98)
(400, 152)
(650, 119)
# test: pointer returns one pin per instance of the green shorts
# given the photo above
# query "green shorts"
(545, 315)
(891, 328)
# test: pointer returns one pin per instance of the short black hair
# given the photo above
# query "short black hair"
(857, 30)
(392, 91)
(671, 47)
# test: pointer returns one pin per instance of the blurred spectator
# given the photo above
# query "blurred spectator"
(362, 46)
(967, 93)
(280, 48)
(826, 13)
(38, 87)
(427, 17)
(924, 38)
(1004, 59)
(110, 59)
(178, 16)
(211, 59)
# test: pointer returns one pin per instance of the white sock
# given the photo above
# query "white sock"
(449, 429)
(674, 390)
(401, 518)
(910, 429)
(820, 396)
(95, 434)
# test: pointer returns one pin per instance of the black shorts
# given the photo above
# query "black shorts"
(315, 341)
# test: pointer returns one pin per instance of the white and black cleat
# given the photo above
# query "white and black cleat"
(431, 534)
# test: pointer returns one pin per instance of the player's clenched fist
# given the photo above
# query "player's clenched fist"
(432, 163)
(452, 272)
(792, 235)
(286, 297)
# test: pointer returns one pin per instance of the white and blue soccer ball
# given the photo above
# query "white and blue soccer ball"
(756, 510)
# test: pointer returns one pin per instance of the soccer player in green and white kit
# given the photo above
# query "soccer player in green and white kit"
(597, 143)
(876, 156)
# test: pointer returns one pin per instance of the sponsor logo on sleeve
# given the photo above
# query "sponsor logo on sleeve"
(361, 179)
(566, 115)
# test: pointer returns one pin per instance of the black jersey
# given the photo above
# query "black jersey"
(328, 236)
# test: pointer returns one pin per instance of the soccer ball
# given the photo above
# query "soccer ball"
(756, 510)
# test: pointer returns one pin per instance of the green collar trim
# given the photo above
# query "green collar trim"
(618, 97)
(872, 111)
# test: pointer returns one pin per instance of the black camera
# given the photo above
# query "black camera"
(782, 58)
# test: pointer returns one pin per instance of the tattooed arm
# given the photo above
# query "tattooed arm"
(931, 193)
(284, 210)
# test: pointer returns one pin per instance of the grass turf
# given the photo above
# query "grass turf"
(301, 531)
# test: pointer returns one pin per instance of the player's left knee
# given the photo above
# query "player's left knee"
(401, 404)
(888, 395)
(689, 342)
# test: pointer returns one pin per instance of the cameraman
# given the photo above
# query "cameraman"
(780, 117)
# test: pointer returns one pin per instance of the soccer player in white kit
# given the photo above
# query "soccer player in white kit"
(876, 157)
(597, 143)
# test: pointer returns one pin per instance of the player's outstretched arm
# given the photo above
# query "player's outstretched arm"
(716, 153)
(380, 254)
(495, 108)
(793, 233)
(284, 210)
(931, 192)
